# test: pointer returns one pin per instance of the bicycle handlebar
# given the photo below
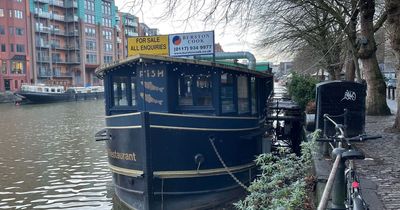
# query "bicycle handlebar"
(352, 139)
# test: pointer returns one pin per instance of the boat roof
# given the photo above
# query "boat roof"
(102, 70)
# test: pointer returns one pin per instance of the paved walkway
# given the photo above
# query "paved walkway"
(382, 165)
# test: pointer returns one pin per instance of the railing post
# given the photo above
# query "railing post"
(339, 186)
(325, 145)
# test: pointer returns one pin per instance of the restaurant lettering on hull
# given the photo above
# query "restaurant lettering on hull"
(151, 45)
(174, 45)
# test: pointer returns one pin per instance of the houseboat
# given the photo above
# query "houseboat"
(182, 133)
(41, 93)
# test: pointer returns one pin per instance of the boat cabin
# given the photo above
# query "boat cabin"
(183, 86)
(41, 88)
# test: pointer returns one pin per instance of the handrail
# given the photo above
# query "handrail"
(328, 188)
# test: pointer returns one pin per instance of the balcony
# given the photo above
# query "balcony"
(57, 3)
(70, 4)
(73, 61)
(119, 40)
(57, 31)
(57, 17)
(42, 1)
(131, 23)
(129, 33)
(71, 18)
(42, 29)
(62, 74)
(44, 72)
(43, 59)
(41, 13)
(72, 47)
(42, 44)
(72, 33)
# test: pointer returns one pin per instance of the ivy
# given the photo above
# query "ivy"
(302, 88)
(282, 184)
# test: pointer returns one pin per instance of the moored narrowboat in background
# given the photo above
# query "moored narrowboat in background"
(182, 133)
(41, 93)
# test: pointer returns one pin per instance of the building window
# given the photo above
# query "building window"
(4, 67)
(19, 31)
(106, 22)
(91, 58)
(90, 45)
(16, 84)
(2, 31)
(3, 47)
(89, 19)
(108, 47)
(106, 8)
(89, 5)
(12, 47)
(108, 59)
(11, 30)
(17, 67)
(90, 32)
(1, 12)
(203, 90)
(18, 14)
(227, 94)
(121, 91)
(243, 94)
(107, 35)
(20, 48)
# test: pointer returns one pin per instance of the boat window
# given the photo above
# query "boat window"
(53, 90)
(46, 89)
(243, 94)
(204, 90)
(133, 87)
(185, 90)
(39, 89)
(58, 90)
(253, 90)
(227, 99)
(120, 91)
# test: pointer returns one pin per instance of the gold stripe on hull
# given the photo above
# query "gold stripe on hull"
(200, 173)
(182, 174)
(125, 171)
(203, 129)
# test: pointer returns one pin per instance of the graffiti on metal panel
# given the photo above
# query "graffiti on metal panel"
(349, 96)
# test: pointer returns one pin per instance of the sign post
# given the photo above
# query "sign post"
(190, 44)
(151, 45)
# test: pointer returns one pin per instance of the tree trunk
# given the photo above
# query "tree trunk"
(350, 67)
(393, 23)
(376, 88)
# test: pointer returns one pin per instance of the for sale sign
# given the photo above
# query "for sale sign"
(188, 44)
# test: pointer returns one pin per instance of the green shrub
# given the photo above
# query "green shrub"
(283, 182)
(302, 89)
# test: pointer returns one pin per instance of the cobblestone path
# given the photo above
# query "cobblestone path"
(382, 165)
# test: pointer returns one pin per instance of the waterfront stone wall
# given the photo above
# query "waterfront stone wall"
(7, 97)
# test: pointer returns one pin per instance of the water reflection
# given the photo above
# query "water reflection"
(49, 159)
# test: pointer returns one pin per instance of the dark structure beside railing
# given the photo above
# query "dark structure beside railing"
(391, 92)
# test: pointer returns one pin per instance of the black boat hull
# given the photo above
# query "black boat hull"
(174, 165)
(37, 97)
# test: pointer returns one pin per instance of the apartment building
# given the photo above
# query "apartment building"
(71, 39)
(145, 30)
(14, 57)
(127, 26)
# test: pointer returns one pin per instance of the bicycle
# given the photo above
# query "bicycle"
(352, 199)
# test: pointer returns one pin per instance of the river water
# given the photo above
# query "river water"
(49, 159)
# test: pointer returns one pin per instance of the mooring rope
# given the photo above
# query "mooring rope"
(226, 167)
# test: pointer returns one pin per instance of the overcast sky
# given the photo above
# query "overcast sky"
(227, 36)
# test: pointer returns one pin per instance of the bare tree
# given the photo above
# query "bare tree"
(342, 16)
(376, 91)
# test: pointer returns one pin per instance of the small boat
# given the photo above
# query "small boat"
(182, 133)
(41, 93)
